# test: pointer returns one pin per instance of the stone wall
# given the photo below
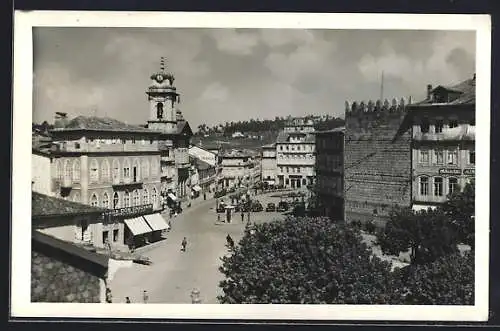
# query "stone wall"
(59, 278)
(377, 160)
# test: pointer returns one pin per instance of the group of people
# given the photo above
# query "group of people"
(145, 297)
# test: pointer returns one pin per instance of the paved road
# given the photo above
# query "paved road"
(174, 274)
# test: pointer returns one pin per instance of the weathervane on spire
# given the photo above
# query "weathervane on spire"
(162, 64)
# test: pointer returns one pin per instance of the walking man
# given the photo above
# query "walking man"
(184, 244)
(242, 217)
(145, 296)
(127, 300)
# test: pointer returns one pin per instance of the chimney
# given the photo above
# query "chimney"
(429, 91)
(474, 77)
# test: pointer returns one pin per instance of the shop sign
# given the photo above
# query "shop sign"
(130, 211)
(448, 171)
(470, 172)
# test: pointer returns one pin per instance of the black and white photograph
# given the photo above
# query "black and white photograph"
(310, 167)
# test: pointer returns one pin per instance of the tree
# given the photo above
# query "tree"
(447, 281)
(427, 234)
(460, 209)
(305, 260)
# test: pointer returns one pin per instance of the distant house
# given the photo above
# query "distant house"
(238, 135)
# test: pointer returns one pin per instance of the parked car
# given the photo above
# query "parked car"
(271, 207)
(282, 206)
(257, 206)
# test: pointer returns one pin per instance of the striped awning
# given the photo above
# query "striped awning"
(137, 226)
(197, 188)
(156, 222)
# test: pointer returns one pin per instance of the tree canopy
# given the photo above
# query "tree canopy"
(305, 260)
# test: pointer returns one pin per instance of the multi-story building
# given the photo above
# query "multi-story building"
(295, 159)
(207, 176)
(329, 187)
(443, 142)
(174, 140)
(104, 162)
(268, 164)
(236, 167)
(377, 161)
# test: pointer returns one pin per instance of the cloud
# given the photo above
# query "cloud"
(215, 92)
(234, 42)
(440, 67)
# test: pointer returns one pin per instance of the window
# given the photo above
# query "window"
(298, 147)
(439, 126)
(94, 171)
(136, 199)
(281, 148)
(68, 170)
(281, 169)
(424, 156)
(298, 169)
(452, 185)
(287, 181)
(453, 124)
(126, 199)
(84, 227)
(115, 235)
(424, 126)
(472, 157)
(145, 168)
(105, 236)
(105, 170)
(77, 145)
(154, 197)
(287, 147)
(154, 168)
(145, 197)
(59, 169)
(116, 171)
(452, 157)
(135, 171)
(76, 171)
(438, 186)
(94, 201)
(105, 200)
(116, 200)
(159, 110)
(304, 181)
(439, 156)
(287, 169)
(424, 185)
(126, 169)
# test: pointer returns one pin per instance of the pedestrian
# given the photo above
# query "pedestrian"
(145, 296)
(242, 217)
(248, 216)
(184, 244)
(169, 225)
(127, 300)
(218, 217)
(230, 241)
(109, 297)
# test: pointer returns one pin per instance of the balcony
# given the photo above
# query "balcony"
(127, 181)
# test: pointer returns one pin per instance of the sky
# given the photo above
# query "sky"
(237, 74)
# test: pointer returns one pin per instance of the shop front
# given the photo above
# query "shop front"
(196, 190)
(138, 232)
(158, 224)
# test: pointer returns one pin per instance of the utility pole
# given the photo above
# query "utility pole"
(382, 87)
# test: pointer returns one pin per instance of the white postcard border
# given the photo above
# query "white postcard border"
(21, 202)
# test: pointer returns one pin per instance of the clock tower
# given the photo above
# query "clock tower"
(162, 97)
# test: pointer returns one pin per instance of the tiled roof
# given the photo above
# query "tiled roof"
(92, 123)
(43, 206)
(466, 88)
(201, 165)
(43, 239)
(339, 129)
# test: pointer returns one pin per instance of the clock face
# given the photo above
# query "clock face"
(159, 78)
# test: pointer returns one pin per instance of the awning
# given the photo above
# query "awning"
(197, 188)
(156, 222)
(269, 181)
(137, 226)
(171, 196)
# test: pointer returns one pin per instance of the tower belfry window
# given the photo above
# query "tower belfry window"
(159, 110)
